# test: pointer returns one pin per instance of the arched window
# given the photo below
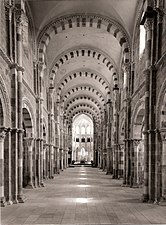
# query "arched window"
(142, 40)
(82, 130)
(88, 130)
(83, 151)
(77, 130)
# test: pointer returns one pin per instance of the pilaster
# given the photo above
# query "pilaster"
(3, 132)
(29, 143)
(109, 136)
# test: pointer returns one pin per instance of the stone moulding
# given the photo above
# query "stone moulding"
(5, 103)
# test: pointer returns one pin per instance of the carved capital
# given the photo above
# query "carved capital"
(28, 141)
(21, 18)
(126, 68)
(163, 134)
(160, 16)
(3, 132)
(148, 24)
(136, 142)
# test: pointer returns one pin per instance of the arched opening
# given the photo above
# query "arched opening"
(45, 154)
(121, 152)
(82, 139)
(138, 142)
(163, 148)
(1, 115)
(27, 149)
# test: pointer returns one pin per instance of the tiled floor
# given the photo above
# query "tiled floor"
(83, 196)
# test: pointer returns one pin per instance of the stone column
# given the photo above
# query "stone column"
(94, 143)
(148, 27)
(3, 132)
(55, 160)
(39, 120)
(41, 163)
(135, 167)
(57, 133)
(38, 162)
(29, 143)
(109, 139)
(51, 156)
(20, 71)
(163, 165)
(61, 139)
(44, 160)
(34, 164)
(126, 72)
(116, 130)
(47, 161)
(7, 169)
(14, 134)
(160, 17)
(101, 141)
(104, 141)
(64, 143)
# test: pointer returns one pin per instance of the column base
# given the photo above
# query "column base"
(3, 202)
(162, 201)
(15, 201)
(125, 185)
(42, 184)
(151, 201)
(145, 198)
(135, 186)
(29, 186)
(21, 199)
(9, 202)
(108, 173)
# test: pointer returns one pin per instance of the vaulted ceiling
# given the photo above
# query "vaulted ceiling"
(83, 43)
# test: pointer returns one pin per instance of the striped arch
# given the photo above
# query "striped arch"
(160, 106)
(4, 105)
(86, 88)
(84, 20)
(82, 111)
(70, 119)
(45, 130)
(121, 131)
(82, 98)
(80, 105)
(27, 105)
(84, 51)
(163, 113)
(78, 74)
(139, 106)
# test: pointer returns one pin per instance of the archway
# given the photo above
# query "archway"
(82, 136)
(138, 145)
(121, 152)
(1, 115)
(45, 154)
(27, 149)
(163, 147)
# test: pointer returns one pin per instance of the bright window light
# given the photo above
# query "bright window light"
(142, 41)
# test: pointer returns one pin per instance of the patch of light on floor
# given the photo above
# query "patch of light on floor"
(82, 174)
(83, 178)
(83, 200)
(83, 185)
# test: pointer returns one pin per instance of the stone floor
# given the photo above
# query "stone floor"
(83, 196)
